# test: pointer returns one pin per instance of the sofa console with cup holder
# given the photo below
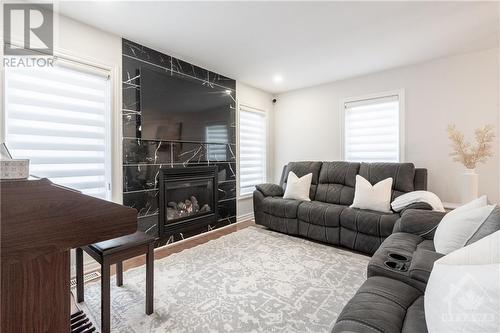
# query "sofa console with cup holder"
(408, 253)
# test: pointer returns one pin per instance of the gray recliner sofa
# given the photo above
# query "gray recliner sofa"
(328, 217)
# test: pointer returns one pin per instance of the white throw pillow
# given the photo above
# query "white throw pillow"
(476, 203)
(375, 197)
(463, 292)
(298, 188)
(417, 196)
(458, 226)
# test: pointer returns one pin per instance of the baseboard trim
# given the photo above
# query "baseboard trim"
(244, 217)
(91, 266)
(88, 267)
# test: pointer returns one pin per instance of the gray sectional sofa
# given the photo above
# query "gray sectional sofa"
(328, 217)
(401, 244)
(392, 298)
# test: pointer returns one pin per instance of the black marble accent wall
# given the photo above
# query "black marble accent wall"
(142, 159)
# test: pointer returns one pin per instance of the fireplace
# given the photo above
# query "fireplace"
(188, 199)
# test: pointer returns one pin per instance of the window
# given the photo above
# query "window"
(59, 118)
(253, 144)
(372, 129)
(216, 133)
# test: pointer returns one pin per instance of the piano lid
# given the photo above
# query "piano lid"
(39, 217)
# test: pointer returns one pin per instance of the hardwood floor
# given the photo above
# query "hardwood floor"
(176, 247)
(179, 246)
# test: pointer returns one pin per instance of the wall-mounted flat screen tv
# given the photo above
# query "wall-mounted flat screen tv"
(179, 108)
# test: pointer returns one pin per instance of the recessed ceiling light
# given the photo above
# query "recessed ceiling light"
(278, 78)
(228, 91)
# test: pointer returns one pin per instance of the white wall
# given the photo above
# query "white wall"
(88, 42)
(97, 47)
(261, 100)
(462, 89)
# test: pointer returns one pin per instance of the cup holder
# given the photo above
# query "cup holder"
(398, 266)
(398, 257)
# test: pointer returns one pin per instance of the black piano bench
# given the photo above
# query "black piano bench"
(115, 251)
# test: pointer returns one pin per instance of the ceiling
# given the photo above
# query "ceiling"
(304, 43)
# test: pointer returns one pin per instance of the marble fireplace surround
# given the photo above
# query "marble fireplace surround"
(142, 159)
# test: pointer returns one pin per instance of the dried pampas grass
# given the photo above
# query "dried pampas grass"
(467, 154)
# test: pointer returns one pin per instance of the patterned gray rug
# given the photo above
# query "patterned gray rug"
(253, 280)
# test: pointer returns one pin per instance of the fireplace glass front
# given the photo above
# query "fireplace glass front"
(188, 198)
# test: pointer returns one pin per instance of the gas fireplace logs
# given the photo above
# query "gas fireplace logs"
(188, 207)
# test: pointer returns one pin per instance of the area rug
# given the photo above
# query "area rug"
(253, 280)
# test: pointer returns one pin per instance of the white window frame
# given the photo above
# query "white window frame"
(249, 108)
(113, 123)
(400, 93)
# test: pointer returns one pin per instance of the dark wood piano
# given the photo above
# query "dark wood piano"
(39, 223)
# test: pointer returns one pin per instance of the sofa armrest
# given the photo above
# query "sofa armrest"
(422, 264)
(419, 222)
(270, 190)
(417, 205)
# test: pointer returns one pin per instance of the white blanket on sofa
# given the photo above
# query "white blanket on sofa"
(417, 196)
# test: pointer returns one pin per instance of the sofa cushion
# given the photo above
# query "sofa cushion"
(301, 169)
(403, 175)
(422, 263)
(320, 221)
(368, 221)
(336, 182)
(383, 305)
(280, 207)
(364, 230)
(420, 181)
(320, 213)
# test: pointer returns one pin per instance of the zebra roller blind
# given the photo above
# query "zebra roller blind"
(253, 144)
(372, 130)
(59, 118)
